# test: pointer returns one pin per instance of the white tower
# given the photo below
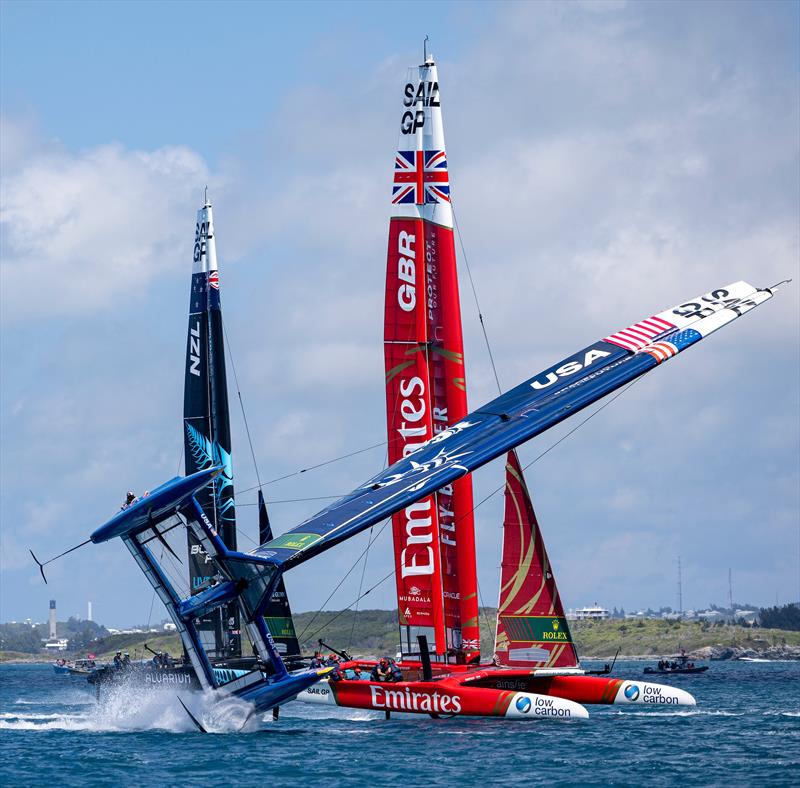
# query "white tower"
(53, 619)
(89, 611)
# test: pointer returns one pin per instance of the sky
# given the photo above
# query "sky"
(607, 160)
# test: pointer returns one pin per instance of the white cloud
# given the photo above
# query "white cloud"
(81, 229)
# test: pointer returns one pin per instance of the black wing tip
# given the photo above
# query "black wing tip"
(40, 565)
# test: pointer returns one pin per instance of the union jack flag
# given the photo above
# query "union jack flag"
(420, 177)
(213, 279)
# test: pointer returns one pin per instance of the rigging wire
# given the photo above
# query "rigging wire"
(360, 587)
(178, 470)
(314, 467)
(488, 344)
(560, 440)
(366, 558)
(296, 500)
(241, 401)
(475, 296)
(338, 585)
(344, 610)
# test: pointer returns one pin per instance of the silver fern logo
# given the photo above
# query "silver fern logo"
(207, 454)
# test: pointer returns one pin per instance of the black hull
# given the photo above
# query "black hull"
(149, 677)
(145, 677)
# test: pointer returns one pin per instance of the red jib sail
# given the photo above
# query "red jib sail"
(532, 630)
(434, 538)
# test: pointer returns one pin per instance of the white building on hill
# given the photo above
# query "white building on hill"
(594, 613)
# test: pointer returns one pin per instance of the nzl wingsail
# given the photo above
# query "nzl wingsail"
(532, 630)
(434, 540)
(206, 432)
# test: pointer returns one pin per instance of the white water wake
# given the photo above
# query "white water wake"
(126, 709)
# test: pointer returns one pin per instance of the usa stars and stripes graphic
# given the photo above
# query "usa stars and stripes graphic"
(420, 177)
(666, 349)
(640, 334)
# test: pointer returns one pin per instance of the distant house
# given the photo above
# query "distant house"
(594, 613)
(169, 626)
(59, 644)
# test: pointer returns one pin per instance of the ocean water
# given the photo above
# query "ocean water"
(745, 730)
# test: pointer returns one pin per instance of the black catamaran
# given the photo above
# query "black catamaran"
(207, 445)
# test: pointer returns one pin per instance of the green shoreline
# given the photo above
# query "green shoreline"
(375, 632)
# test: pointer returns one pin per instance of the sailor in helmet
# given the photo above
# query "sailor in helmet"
(382, 671)
(130, 498)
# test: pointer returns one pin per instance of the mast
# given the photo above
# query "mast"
(207, 435)
(425, 382)
(532, 630)
(278, 613)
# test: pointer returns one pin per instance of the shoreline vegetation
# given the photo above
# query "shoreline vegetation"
(374, 632)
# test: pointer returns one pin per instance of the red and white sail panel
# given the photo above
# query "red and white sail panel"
(532, 630)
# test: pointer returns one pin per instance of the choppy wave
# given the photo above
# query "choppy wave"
(681, 713)
(745, 728)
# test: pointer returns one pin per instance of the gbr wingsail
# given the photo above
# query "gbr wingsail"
(206, 429)
(434, 542)
(532, 630)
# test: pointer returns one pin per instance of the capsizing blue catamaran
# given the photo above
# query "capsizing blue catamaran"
(244, 584)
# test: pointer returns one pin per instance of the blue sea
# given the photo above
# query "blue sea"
(745, 730)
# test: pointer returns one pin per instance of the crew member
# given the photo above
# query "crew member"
(397, 674)
(382, 671)
(126, 660)
(317, 661)
(118, 660)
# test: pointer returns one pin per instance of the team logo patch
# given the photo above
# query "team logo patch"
(523, 704)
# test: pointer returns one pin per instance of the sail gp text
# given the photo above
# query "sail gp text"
(424, 94)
